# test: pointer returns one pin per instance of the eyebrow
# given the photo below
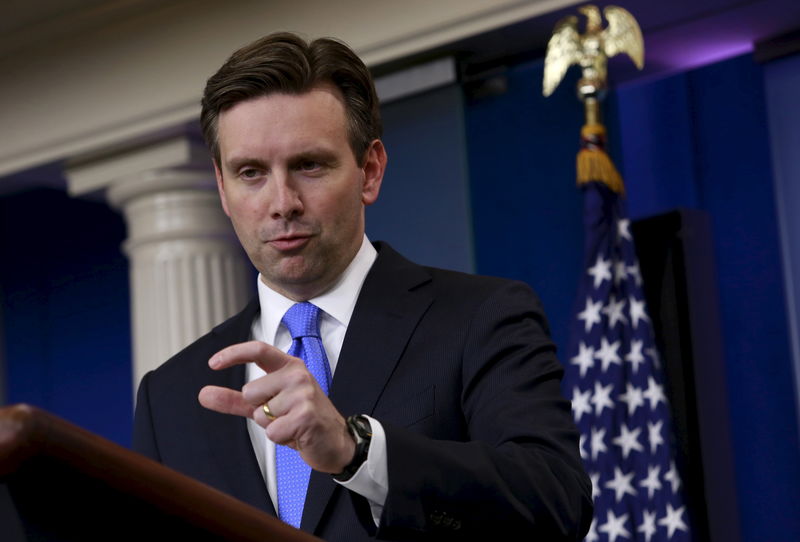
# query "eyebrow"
(319, 154)
(234, 164)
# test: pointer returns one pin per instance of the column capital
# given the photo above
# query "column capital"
(159, 181)
(139, 167)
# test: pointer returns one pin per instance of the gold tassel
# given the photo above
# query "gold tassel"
(594, 164)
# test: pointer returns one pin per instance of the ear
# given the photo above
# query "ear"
(374, 167)
(221, 188)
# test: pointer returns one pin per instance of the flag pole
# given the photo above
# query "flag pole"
(613, 373)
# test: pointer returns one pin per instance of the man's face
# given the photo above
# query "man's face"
(293, 189)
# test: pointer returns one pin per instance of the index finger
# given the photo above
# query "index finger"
(262, 354)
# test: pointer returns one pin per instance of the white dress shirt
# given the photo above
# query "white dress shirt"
(336, 304)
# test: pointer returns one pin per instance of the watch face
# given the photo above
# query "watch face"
(361, 426)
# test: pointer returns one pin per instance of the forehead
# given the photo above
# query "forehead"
(284, 120)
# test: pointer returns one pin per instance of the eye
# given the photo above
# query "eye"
(249, 173)
(309, 166)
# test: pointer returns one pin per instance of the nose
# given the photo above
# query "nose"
(283, 198)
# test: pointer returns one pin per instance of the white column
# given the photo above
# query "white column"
(187, 270)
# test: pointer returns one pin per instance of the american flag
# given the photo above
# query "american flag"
(614, 379)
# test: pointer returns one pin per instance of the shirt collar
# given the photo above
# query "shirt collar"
(337, 302)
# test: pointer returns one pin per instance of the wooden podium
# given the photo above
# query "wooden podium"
(68, 484)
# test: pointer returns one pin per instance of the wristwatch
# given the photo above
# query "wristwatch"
(361, 431)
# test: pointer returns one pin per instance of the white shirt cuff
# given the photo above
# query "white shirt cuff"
(371, 480)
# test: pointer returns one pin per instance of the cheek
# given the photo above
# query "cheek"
(343, 209)
(245, 218)
(246, 208)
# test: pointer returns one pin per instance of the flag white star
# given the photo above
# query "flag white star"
(632, 397)
(621, 484)
(623, 229)
(607, 353)
(654, 435)
(584, 359)
(637, 311)
(673, 521)
(628, 440)
(580, 403)
(648, 525)
(672, 477)
(620, 271)
(635, 356)
(652, 482)
(633, 271)
(615, 526)
(602, 397)
(600, 271)
(614, 311)
(581, 442)
(598, 444)
(591, 314)
(595, 477)
(654, 393)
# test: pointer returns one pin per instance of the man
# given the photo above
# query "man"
(416, 403)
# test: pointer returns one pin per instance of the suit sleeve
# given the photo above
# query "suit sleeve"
(144, 440)
(518, 474)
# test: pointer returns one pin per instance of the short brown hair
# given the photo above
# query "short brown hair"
(285, 63)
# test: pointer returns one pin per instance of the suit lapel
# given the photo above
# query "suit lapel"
(388, 310)
(227, 436)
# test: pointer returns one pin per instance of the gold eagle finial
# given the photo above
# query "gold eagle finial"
(593, 48)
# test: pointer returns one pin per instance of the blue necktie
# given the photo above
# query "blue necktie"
(292, 473)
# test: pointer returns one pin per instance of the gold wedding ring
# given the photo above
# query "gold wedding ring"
(268, 412)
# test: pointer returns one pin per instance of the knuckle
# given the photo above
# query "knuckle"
(273, 434)
(306, 395)
(306, 414)
(304, 411)
(298, 376)
(248, 393)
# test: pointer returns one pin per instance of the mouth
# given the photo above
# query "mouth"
(289, 243)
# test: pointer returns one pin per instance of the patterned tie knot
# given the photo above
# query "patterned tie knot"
(302, 320)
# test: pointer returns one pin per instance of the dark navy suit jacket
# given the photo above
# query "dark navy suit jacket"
(461, 373)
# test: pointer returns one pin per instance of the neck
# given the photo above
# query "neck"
(299, 292)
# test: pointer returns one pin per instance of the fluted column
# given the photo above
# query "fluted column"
(187, 270)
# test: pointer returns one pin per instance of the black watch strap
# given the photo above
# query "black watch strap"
(361, 431)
